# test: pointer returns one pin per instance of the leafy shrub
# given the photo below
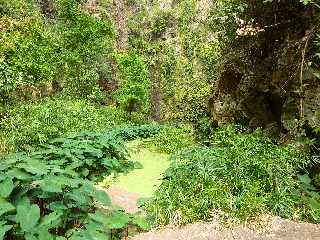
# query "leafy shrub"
(69, 48)
(171, 139)
(134, 92)
(91, 155)
(35, 123)
(39, 198)
(308, 195)
(47, 193)
(95, 155)
(239, 176)
(136, 131)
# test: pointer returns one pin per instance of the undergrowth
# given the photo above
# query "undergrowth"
(35, 123)
(50, 193)
(238, 177)
(171, 139)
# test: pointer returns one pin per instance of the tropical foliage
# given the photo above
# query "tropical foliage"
(51, 194)
(79, 79)
(61, 42)
(35, 123)
(239, 176)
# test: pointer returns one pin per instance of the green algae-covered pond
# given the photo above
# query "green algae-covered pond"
(146, 180)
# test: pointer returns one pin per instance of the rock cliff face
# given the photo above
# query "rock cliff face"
(265, 81)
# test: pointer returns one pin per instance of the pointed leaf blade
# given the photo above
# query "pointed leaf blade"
(28, 216)
(6, 188)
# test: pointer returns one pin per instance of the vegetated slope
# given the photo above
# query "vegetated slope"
(163, 65)
(241, 175)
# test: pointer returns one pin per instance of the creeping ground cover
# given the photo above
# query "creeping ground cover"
(50, 193)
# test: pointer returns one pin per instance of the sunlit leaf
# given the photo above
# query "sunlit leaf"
(28, 216)
(6, 187)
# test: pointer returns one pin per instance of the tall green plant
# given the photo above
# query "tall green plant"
(68, 48)
(240, 176)
(134, 92)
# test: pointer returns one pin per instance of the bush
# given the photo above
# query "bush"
(134, 93)
(239, 176)
(171, 139)
(47, 193)
(35, 123)
(68, 47)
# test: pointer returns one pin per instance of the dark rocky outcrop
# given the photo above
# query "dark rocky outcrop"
(264, 80)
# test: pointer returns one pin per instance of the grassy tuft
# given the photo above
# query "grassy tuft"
(240, 176)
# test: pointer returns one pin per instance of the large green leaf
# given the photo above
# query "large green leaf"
(49, 184)
(141, 222)
(51, 220)
(18, 174)
(89, 235)
(45, 235)
(88, 188)
(57, 206)
(3, 229)
(2, 176)
(30, 236)
(97, 227)
(5, 206)
(95, 235)
(6, 187)
(4, 165)
(10, 160)
(99, 217)
(118, 220)
(34, 167)
(78, 197)
(28, 216)
(103, 197)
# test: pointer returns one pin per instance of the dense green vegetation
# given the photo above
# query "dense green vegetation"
(67, 49)
(171, 139)
(34, 123)
(239, 176)
(80, 79)
(50, 192)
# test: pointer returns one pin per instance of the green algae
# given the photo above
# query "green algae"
(146, 180)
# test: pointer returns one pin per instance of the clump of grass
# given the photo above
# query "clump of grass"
(171, 139)
(239, 176)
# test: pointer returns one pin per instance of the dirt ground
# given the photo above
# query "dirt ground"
(275, 229)
(279, 229)
(123, 198)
